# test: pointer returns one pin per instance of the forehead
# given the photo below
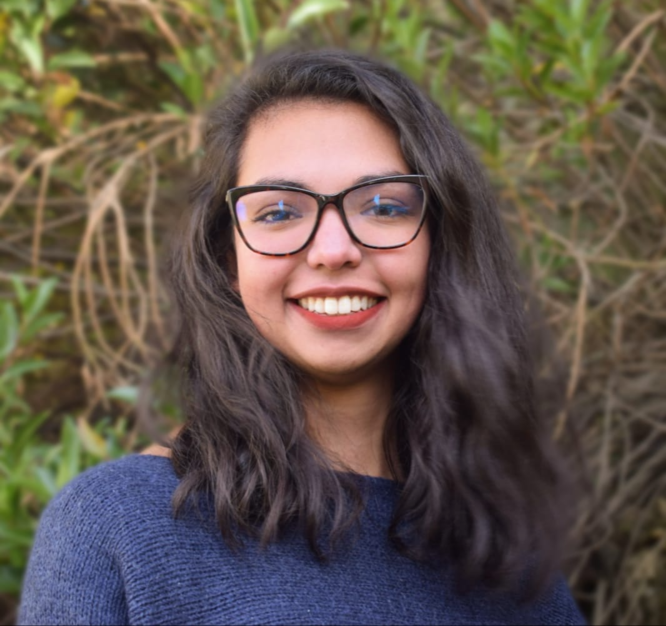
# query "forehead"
(326, 146)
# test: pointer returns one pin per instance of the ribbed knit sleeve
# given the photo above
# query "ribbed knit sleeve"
(71, 576)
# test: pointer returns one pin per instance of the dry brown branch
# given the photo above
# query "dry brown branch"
(161, 24)
(631, 72)
(39, 215)
(104, 102)
(634, 264)
(579, 334)
(637, 30)
(28, 233)
(149, 238)
(50, 155)
(474, 18)
(614, 230)
(112, 58)
(107, 200)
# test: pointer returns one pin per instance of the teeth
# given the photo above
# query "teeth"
(330, 306)
(338, 306)
(344, 305)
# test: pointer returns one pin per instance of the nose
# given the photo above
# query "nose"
(332, 246)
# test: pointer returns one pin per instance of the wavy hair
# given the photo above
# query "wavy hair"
(481, 483)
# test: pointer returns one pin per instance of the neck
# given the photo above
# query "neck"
(348, 421)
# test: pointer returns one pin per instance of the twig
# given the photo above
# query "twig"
(39, 215)
(149, 239)
(50, 155)
(162, 25)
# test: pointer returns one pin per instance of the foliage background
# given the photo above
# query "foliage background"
(101, 110)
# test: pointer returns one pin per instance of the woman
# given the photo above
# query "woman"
(362, 441)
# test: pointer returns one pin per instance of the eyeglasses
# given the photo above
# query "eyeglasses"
(278, 220)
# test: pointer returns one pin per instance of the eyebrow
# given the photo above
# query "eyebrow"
(297, 183)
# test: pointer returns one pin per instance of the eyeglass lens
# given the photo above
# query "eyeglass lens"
(382, 215)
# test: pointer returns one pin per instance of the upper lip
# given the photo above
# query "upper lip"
(335, 292)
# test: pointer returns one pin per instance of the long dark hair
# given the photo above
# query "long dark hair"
(482, 486)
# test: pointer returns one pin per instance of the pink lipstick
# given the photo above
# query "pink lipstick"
(338, 322)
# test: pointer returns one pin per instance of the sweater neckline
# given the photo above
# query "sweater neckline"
(374, 483)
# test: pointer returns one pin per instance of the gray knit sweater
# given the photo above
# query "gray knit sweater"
(108, 551)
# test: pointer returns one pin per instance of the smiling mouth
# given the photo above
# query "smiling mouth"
(345, 305)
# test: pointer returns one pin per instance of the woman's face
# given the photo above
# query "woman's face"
(327, 148)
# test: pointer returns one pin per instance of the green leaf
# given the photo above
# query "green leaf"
(70, 459)
(492, 63)
(358, 23)
(27, 431)
(47, 481)
(72, 58)
(35, 487)
(590, 57)
(546, 70)
(14, 536)
(275, 37)
(21, 369)
(217, 9)
(91, 440)
(10, 81)
(445, 60)
(26, 36)
(185, 59)
(18, 6)
(128, 394)
(553, 283)
(32, 51)
(598, 22)
(38, 299)
(19, 288)
(563, 22)
(29, 109)
(578, 11)
(205, 57)
(10, 579)
(193, 87)
(500, 37)
(249, 26)
(609, 107)
(58, 8)
(170, 107)
(39, 323)
(174, 70)
(422, 46)
(311, 9)
(9, 329)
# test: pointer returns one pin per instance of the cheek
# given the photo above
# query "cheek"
(261, 282)
(413, 272)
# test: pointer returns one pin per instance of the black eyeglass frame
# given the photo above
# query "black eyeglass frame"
(234, 194)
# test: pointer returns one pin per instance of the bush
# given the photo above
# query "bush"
(33, 469)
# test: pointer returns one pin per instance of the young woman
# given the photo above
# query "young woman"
(362, 442)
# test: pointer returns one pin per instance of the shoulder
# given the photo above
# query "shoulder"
(104, 495)
(75, 573)
(122, 477)
(557, 605)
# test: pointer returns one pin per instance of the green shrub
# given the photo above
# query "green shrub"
(33, 469)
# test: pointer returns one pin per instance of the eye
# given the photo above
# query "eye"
(276, 214)
(387, 208)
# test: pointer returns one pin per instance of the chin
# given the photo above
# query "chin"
(338, 371)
